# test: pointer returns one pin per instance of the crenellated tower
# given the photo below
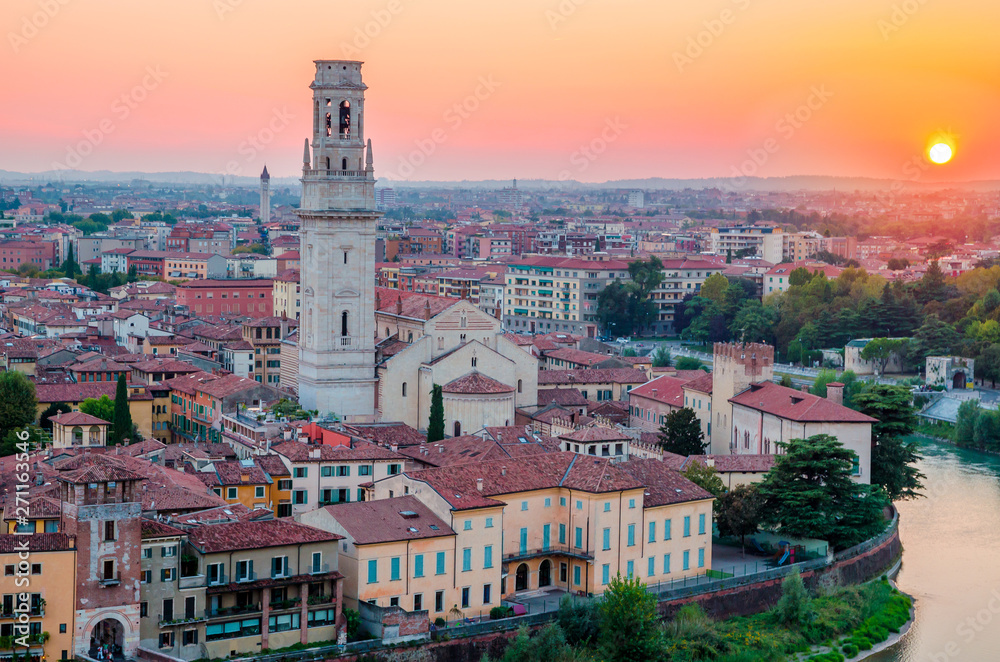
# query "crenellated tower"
(734, 367)
(337, 234)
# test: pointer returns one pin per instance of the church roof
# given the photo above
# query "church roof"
(476, 383)
(264, 175)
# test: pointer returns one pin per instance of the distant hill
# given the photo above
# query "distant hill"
(793, 183)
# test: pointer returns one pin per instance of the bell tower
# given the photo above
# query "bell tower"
(337, 234)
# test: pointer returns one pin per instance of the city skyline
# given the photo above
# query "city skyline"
(584, 91)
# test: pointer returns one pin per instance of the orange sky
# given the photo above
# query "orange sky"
(563, 73)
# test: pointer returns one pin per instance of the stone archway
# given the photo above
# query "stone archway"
(545, 573)
(958, 381)
(107, 632)
(521, 578)
(109, 627)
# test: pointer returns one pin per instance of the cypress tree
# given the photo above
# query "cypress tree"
(122, 425)
(435, 427)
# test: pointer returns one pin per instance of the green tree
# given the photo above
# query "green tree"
(548, 644)
(965, 422)
(822, 379)
(786, 381)
(894, 460)
(55, 409)
(932, 286)
(102, 407)
(133, 274)
(986, 431)
(809, 493)
(578, 620)
(69, 265)
(988, 364)
(435, 426)
(714, 288)
(681, 433)
(613, 310)
(121, 427)
(630, 628)
(794, 607)
(18, 404)
(739, 512)
(707, 478)
(119, 215)
(753, 322)
(688, 363)
(881, 350)
(661, 357)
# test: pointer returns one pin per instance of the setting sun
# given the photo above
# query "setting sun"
(940, 153)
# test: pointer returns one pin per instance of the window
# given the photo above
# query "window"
(372, 571)
(488, 556)
(631, 535)
(701, 557)
(300, 472)
(562, 534)
(439, 564)
(606, 539)
(562, 501)
(607, 506)
(579, 505)
(687, 526)
(630, 569)
(279, 566)
(418, 566)
(167, 574)
(466, 559)
(404, 389)
(231, 493)
(166, 640)
(190, 638)
(701, 524)
(393, 469)
(146, 576)
(666, 529)
(605, 573)
(109, 531)
(284, 484)
(244, 570)
(365, 470)
(489, 522)
(300, 497)
(467, 526)
(666, 564)
(487, 594)
(579, 538)
(686, 560)
(652, 532)
(394, 569)
(168, 609)
(258, 492)
(548, 502)
(576, 575)
(524, 505)
(631, 503)
(418, 602)
(651, 570)
(439, 601)
(147, 553)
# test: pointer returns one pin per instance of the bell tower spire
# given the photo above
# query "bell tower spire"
(337, 234)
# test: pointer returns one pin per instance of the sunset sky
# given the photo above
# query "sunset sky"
(200, 77)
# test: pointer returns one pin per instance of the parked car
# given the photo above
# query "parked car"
(622, 340)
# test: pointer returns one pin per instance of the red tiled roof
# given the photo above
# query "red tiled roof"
(476, 383)
(566, 397)
(78, 418)
(389, 520)
(663, 484)
(153, 529)
(735, 463)
(414, 304)
(94, 468)
(789, 403)
(667, 390)
(701, 384)
(576, 356)
(39, 542)
(387, 434)
(592, 376)
(297, 451)
(595, 433)
(233, 536)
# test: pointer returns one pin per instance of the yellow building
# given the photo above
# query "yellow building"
(397, 552)
(286, 296)
(43, 515)
(48, 577)
(571, 521)
(238, 482)
(77, 429)
(140, 401)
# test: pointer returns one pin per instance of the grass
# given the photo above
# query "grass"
(858, 617)
(718, 574)
(941, 429)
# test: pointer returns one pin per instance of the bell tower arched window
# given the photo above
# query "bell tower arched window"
(343, 163)
(345, 120)
(343, 323)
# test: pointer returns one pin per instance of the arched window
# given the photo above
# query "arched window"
(409, 337)
(519, 385)
(345, 120)
(345, 257)
(343, 323)
(473, 361)
(440, 342)
(458, 429)
(404, 389)
(328, 163)
(343, 163)
(386, 332)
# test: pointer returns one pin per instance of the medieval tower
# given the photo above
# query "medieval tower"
(734, 367)
(337, 234)
(265, 197)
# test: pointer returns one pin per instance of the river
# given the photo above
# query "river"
(951, 559)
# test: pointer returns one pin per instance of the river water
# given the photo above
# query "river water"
(951, 559)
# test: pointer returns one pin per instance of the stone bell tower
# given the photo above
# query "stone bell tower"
(337, 234)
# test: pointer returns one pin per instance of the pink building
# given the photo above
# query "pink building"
(244, 296)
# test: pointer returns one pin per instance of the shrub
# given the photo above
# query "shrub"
(499, 612)
(439, 622)
(793, 607)
(849, 650)
(579, 620)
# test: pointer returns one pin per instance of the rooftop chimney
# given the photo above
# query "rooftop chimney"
(394, 447)
(835, 392)
(479, 484)
(804, 388)
(399, 305)
(503, 471)
(427, 309)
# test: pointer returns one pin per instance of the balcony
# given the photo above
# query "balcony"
(194, 581)
(217, 580)
(345, 341)
(319, 599)
(110, 581)
(185, 620)
(291, 603)
(344, 174)
(563, 550)
(222, 612)
(242, 578)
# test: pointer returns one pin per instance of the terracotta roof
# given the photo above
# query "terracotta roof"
(272, 464)
(663, 484)
(233, 473)
(212, 538)
(576, 356)
(153, 529)
(145, 447)
(387, 434)
(595, 433)
(476, 383)
(702, 384)
(39, 542)
(95, 468)
(789, 403)
(458, 484)
(389, 520)
(592, 376)
(413, 303)
(666, 390)
(735, 463)
(297, 451)
(78, 418)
